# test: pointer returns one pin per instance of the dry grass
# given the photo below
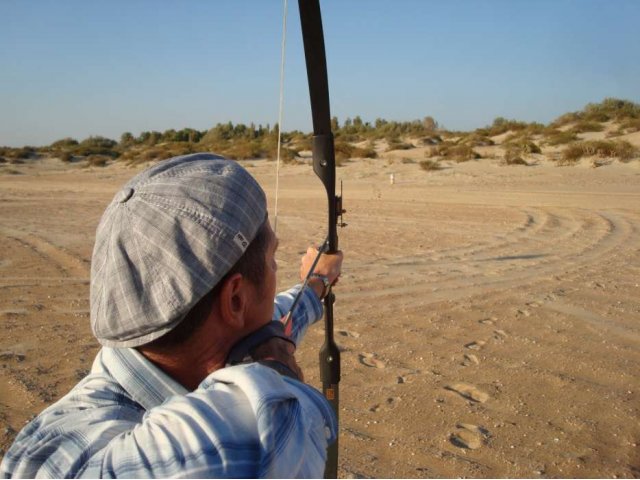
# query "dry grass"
(366, 152)
(587, 126)
(477, 140)
(430, 165)
(10, 171)
(557, 137)
(431, 140)
(522, 144)
(399, 145)
(629, 126)
(97, 160)
(512, 157)
(621, 150)
(455, 153)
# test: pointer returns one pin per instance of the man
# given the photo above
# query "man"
(183, 275)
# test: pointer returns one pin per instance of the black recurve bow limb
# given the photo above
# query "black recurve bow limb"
(324, 166)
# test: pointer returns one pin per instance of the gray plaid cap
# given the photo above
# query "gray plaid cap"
(165, 240)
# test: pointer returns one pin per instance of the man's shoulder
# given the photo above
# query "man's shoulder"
(244, 419)
(95, 411)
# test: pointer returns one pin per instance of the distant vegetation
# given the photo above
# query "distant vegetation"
(607, 110)
(621, 150)
(456, 152)
(564, 139)
(430, 165)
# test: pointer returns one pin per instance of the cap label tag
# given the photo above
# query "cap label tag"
(240, 241)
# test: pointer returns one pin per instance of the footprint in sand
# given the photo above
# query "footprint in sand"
(470, 359)
(476, 345)
(486, 321)
(392, 402)
(408, 377)
(370, 360)
(469, 436)
(347, 333)
(469, 392)
(500, 334)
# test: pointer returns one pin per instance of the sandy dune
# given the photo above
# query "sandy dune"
(489, 316)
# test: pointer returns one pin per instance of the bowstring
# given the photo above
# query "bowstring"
(280, 113)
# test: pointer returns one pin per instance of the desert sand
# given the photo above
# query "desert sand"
(488, 315)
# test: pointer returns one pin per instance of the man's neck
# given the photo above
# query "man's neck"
(188, 364)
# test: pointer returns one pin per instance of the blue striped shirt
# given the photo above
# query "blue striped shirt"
(129, 419)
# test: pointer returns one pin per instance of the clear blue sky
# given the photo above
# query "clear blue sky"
(80, 68)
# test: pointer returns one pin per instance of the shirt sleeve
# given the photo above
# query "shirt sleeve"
(307, 312)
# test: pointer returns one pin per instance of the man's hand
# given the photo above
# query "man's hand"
(329, 265)
(279, 350)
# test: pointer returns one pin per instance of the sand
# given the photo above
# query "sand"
(488, 316)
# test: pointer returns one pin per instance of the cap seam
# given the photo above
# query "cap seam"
(207, 222)
(177, 172)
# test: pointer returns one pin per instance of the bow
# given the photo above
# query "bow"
(324, 166)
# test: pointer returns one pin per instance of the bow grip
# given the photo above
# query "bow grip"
(324, 165)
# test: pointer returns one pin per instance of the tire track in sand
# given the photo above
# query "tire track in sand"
(571, 240)
(47, 253)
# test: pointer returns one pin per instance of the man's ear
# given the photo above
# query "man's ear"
(233, 301)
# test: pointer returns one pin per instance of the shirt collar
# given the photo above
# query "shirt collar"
(147, 384)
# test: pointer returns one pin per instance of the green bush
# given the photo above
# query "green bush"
(98, 141)
(565, 119)
(66, 157)
(245, 151)
(608, 109)
(501, 125)
(86, 150)
(153, 153)
(22, 153)
(611, 109)
(67, 142)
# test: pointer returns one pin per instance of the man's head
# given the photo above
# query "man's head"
(167, 239)
(254, 267)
